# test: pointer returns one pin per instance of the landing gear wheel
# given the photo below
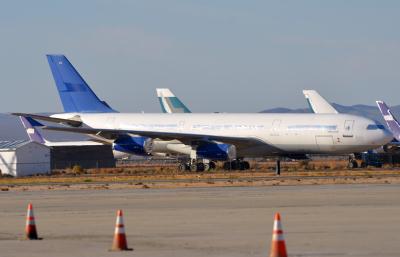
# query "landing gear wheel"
(213, 166)
(206, 166)
(227, 165)
(182, 167)
(352, 164)
(200, 166)
(193, 167)
(235, 165)
(246, 165)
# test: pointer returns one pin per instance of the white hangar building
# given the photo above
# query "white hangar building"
(24, 158)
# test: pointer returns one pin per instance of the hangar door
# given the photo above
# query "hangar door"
(324, 143)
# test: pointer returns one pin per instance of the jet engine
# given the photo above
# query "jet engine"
(133, 145)
(216, 151)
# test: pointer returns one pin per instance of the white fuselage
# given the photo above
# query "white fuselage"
(278, 133)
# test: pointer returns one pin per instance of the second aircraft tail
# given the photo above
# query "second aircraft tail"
(169, 102)
(390, 120)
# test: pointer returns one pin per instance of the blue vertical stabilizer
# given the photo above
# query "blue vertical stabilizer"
(75, 93)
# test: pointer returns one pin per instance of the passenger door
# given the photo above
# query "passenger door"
(276, 124)
(348, 128)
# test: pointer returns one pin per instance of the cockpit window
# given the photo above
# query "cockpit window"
(375, 126)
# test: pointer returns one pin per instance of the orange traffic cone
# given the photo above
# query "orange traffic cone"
(278, 247)
(119, 242)
(30, 228)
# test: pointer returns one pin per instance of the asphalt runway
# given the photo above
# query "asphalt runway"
(332, 220)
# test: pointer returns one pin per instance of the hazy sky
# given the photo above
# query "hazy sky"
(217, 55)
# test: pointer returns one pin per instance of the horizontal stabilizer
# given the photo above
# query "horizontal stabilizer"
(30, 122)
(74, 123)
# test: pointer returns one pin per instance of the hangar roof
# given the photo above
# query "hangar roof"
(11, 145)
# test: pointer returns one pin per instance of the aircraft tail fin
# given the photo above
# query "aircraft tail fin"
(390, 120)
(170, 103)
(75, 93)
(317, 103)
(30, 127)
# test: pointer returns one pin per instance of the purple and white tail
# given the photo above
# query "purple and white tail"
(390, 120)
(30, 127)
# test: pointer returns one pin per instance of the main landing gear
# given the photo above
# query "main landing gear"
(237, 164)
(200, 164)
(197, 165)
(207, 165)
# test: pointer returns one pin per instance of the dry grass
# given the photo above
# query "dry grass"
(328, 168)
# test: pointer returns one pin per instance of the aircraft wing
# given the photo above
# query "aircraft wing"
(74, 123)
(186, 138)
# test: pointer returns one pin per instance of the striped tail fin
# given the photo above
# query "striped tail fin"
(390, 120)
(170, 103)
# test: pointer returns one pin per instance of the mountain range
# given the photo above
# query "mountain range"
(11, 127)
(368, 111)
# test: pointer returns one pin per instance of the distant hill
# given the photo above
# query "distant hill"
(286, 110)
(368, 111)
(12, 129)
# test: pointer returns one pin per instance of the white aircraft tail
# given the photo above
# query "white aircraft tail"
(317, 103)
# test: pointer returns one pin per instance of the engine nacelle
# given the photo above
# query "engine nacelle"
(216, 151)
(133, 145)
(391, 148)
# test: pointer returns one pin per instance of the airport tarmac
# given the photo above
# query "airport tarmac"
(330, 220)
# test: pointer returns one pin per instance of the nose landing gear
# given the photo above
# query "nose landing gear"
(352, 164)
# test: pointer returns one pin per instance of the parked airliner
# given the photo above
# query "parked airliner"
(232, 136)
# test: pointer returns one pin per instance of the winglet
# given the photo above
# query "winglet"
(169, 102)
(390, 120)
(30, 127)
(317, 103)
